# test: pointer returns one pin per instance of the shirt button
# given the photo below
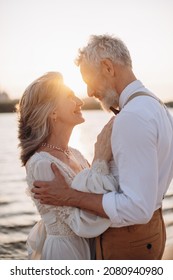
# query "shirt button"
(149, 246)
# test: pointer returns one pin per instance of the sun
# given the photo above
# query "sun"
(73, 79)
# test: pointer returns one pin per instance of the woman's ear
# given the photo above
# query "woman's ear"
(107, 67)
(53, 116)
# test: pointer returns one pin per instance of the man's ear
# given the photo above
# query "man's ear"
(108, 67)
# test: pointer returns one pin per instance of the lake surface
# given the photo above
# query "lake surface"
(17, 212)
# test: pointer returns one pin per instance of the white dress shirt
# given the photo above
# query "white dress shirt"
(142, 146)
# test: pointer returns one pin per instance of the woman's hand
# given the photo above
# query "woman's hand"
(103, 149)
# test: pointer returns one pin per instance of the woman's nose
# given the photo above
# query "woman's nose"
(79, 102)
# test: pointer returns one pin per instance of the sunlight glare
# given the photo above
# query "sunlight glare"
(73, 79)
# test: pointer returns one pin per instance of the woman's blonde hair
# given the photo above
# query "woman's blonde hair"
(34, 108)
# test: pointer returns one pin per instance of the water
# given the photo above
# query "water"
(17, 212)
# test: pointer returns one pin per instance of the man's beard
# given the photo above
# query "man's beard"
(111, 98)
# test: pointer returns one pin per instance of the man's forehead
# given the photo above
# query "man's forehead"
(84, 66)
(86, 69)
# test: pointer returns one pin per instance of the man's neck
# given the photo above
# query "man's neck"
(124, 78)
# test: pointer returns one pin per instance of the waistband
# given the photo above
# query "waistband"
(132, 227)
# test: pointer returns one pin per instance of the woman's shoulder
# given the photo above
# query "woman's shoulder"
(39, 166)
(38, 158)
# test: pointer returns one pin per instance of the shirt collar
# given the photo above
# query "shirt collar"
(135, 86)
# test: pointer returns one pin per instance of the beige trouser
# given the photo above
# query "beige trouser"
(136, 242)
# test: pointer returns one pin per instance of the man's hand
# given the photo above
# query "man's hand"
(53, 192)
(103, 149)
(57, 192)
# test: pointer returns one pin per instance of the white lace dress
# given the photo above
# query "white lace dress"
(66, 232)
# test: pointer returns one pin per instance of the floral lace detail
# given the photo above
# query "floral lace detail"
(54, 217)
(55, 222)
(59, 229)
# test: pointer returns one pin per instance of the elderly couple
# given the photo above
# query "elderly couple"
(111, 209)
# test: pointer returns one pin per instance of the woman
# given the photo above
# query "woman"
(48, 112)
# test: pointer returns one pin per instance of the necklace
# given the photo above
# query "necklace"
(65, 152)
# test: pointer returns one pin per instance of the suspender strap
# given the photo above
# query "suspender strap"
(136, 94)
(141, 93)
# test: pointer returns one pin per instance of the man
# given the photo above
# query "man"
(142, 148)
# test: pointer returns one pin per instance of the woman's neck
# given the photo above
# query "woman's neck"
(60, 138)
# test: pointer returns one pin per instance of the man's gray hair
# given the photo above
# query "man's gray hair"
(101, 47)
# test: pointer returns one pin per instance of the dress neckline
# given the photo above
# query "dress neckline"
(58, 160)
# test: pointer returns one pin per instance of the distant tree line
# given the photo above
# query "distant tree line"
(8, 105)
(169, 104)
(91, 104)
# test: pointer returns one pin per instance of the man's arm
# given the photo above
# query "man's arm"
(57, 192)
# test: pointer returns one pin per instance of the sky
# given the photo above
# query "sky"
(38, 36)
